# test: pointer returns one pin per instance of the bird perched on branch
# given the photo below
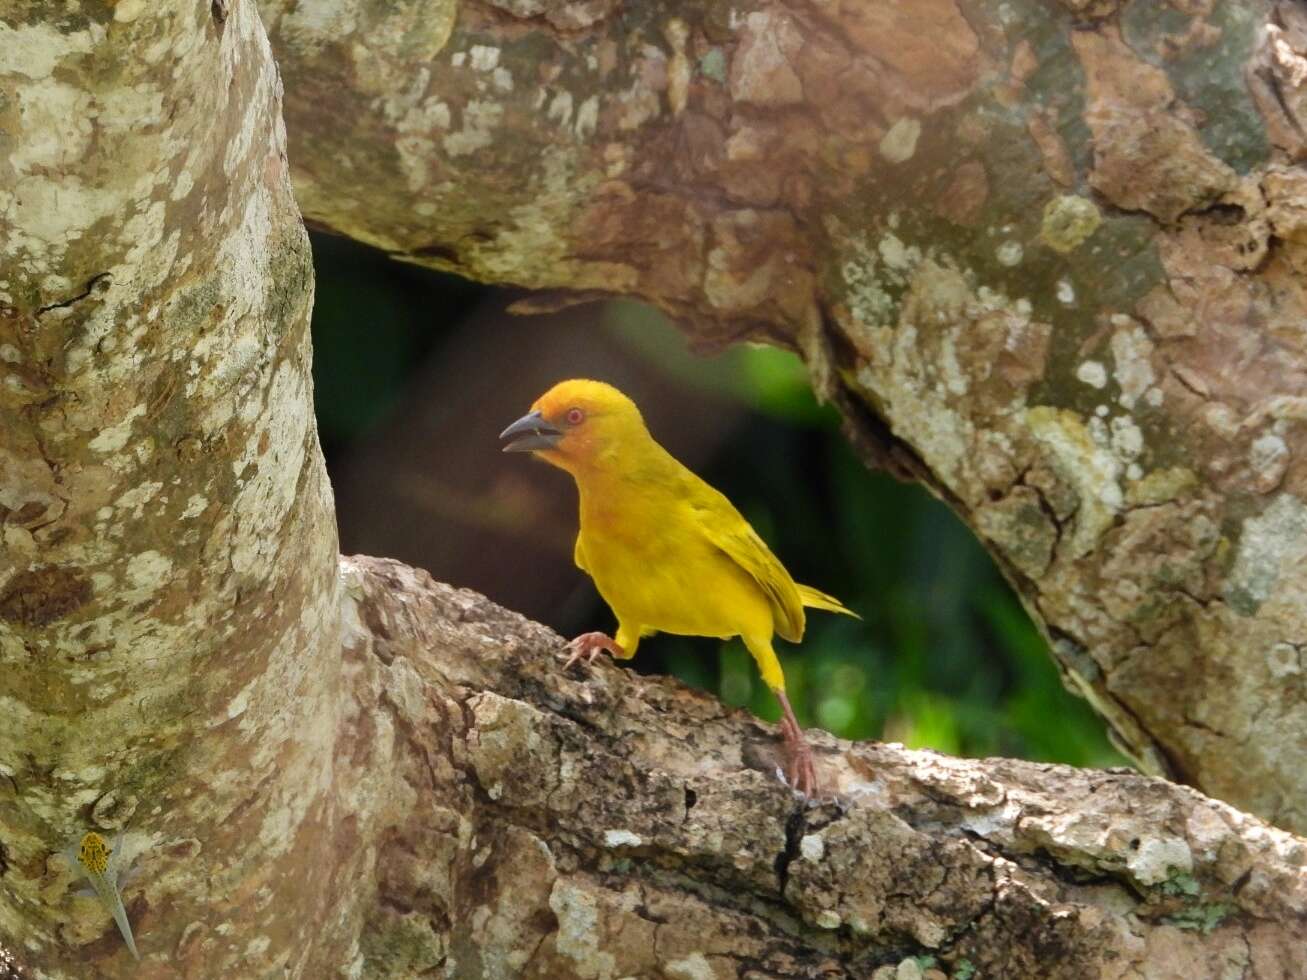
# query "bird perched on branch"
(667, 552)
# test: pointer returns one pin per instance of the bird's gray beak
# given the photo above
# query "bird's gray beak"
(529, 433)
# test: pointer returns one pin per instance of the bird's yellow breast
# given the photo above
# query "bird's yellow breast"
(654, 565)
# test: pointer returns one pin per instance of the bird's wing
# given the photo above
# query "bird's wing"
(727, 529)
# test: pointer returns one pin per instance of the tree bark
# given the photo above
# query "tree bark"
(607, 825)
(1046, 258)
(168, 584)
(326, 767)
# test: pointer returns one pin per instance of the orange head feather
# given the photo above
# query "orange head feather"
(578, 425)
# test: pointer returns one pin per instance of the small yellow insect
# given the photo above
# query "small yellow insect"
(102, 863)
(94, 854)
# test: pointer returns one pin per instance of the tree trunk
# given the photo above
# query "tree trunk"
(169, 600)
(1045, 257)
(331, 768)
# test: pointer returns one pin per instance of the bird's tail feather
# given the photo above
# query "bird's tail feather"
(816, 599)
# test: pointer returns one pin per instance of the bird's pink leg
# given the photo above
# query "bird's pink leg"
(800, 770)
(587, 646)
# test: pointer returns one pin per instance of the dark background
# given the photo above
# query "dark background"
(416, 373)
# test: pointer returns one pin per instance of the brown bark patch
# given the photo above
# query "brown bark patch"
(41, 595)
(927, 42)
(1286, 197)
(1147, 157)
(763, 71)
(965, 196)
(913, 891)
(1041, 125)
(1279, 79)
(1092, 8)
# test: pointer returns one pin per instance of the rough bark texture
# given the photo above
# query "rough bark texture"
(328, 768)
(1046, 256)
(598, 824)
(168, 586)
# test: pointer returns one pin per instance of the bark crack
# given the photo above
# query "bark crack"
(92, 286)
(794, 829)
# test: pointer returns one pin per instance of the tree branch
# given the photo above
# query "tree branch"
(602, 824)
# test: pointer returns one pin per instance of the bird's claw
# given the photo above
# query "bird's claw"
(801, 774)
(587, 646)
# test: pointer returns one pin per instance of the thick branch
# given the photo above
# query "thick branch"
(600, 824)
(1049, 255)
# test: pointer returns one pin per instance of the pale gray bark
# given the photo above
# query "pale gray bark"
(168, 589)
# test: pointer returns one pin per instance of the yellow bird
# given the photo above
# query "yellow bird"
(667, 552)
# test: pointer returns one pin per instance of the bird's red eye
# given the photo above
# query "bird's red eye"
(575, 416)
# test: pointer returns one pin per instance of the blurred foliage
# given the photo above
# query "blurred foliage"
(944, 657)
(371, 328)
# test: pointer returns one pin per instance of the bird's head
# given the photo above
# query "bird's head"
(576, 424)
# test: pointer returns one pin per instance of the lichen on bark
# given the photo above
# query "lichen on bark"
(168, 554)
(599, 824)
(327, 766)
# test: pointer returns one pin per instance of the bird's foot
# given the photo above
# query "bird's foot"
(799, 769)
(587, 646)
